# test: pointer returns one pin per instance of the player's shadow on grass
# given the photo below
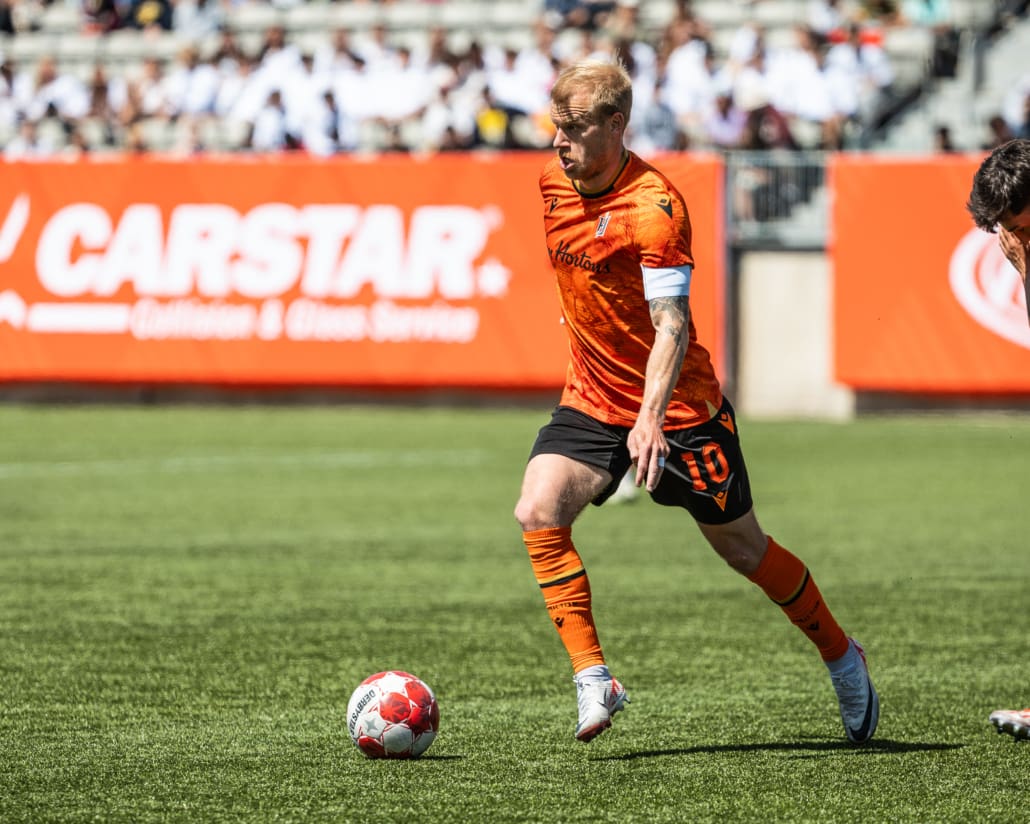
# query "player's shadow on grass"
(801, 749)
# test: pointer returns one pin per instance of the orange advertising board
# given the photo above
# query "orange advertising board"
(390, 272)
(924, 301)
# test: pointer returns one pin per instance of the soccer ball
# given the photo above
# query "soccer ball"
(393, 714)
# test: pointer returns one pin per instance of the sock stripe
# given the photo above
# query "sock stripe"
(797, 593)
(563, 579)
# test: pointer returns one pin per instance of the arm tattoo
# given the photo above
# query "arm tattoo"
(670, 315)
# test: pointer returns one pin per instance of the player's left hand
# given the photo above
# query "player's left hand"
(648, 449)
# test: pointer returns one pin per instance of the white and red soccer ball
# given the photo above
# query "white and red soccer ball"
(393, 714)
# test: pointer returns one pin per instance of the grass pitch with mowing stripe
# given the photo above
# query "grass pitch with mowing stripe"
(189, 595)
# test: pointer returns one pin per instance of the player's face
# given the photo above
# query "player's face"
(589, 145)
(1018, 225)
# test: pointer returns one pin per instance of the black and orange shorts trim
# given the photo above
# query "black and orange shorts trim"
(705, 472)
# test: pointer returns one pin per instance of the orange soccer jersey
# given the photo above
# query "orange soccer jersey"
(597, 244)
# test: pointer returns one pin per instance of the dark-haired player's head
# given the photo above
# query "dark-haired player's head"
(1001, 187)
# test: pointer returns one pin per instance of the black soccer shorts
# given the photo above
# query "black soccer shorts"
(705, 472)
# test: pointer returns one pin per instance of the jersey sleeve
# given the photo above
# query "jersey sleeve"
(663, 229)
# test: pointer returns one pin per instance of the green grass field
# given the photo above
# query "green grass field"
(188, 596)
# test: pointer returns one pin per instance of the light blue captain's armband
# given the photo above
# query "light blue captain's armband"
(669, 282)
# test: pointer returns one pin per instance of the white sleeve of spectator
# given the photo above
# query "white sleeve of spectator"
(670, 282)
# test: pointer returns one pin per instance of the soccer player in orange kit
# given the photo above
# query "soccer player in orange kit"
(1000, 202)
(640, 390)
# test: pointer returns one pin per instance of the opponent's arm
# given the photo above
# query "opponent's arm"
(647, 445)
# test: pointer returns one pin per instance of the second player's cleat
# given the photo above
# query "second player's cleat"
(599, 700)
(1015, 722)
(627, 491)
(859, 703)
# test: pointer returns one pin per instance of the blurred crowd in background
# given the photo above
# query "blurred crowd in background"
(366, 91)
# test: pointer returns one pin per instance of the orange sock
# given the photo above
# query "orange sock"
(786, 580)
(566, 589)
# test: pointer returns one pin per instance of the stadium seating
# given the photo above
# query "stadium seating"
(508, 22)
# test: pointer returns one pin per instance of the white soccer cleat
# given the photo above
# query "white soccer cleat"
(627, 491)
(859, 703)
(1015, 722)
(598, 701)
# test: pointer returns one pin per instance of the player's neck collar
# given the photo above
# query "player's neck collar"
(611, 185)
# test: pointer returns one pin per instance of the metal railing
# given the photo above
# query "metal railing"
(777, 199)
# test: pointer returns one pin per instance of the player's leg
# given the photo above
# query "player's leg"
(706, 473)
(555, 489)
(782, 576)
(788, 583)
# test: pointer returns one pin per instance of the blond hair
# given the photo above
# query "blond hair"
(609, 84)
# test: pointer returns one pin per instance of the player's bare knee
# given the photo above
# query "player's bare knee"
(530, 516)
(742, 555)
(743, 562)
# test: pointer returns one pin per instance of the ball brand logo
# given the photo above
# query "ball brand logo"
(988, 287)
(362, 703)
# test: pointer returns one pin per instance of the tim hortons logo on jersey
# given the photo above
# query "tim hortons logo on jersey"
(988, 287)
(580, 260)
(309, 272)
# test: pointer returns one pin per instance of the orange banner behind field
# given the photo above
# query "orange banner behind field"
(924, 301)
(393, 272)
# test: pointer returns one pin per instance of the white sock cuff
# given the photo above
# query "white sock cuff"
(847, 661)
(598, 672)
